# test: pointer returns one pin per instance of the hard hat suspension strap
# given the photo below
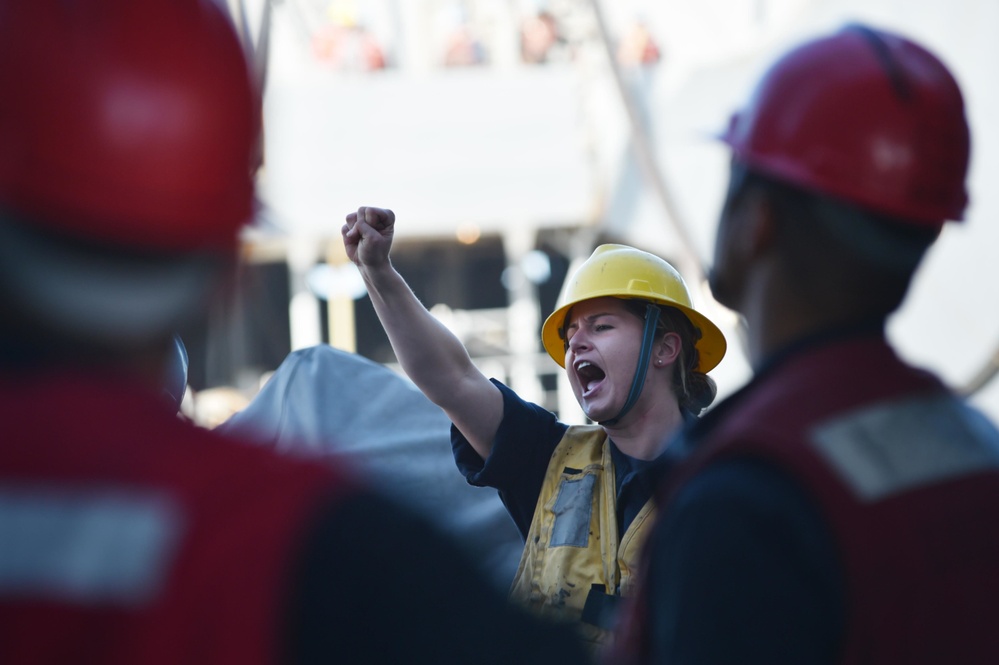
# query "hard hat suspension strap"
(648, 339)
(896, 75)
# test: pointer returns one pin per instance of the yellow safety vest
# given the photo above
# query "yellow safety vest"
(573, 542)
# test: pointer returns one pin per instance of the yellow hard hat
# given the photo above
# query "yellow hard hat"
(620, 271)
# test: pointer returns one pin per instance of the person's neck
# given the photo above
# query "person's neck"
(647, 429)
(777, 320)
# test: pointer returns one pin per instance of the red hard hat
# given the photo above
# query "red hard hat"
(129, 122)
(865, 116)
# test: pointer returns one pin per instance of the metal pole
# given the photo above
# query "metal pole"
(689, 259)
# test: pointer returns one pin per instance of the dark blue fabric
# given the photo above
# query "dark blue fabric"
(744, 571)
(375, 583)
(525, 441)
(635, 482)
(527, 437)
(742, 566)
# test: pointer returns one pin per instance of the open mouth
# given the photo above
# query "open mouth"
(589, 375)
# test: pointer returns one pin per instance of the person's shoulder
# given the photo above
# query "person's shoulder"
(516, 407)
(737, 500)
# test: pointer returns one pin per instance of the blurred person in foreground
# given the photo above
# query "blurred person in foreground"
(636, 354)
(841, 507)
(127, 141)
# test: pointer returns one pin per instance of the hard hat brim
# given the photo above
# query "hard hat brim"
(710, 347)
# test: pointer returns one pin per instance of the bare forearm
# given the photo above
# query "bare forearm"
(428, 352)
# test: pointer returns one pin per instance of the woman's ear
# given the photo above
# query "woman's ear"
(667, 350)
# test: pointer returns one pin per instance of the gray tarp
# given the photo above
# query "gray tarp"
(322, 400)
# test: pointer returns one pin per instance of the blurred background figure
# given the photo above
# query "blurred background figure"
(463, 49)
(540, 39)
(638, 47)
(462, 45)
(344, 44)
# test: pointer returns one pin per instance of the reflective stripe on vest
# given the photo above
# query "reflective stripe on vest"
(93, 546)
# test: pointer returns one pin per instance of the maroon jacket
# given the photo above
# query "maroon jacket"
(906, 477)
(140, 538)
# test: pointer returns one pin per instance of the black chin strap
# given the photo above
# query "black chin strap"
(637, 383)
